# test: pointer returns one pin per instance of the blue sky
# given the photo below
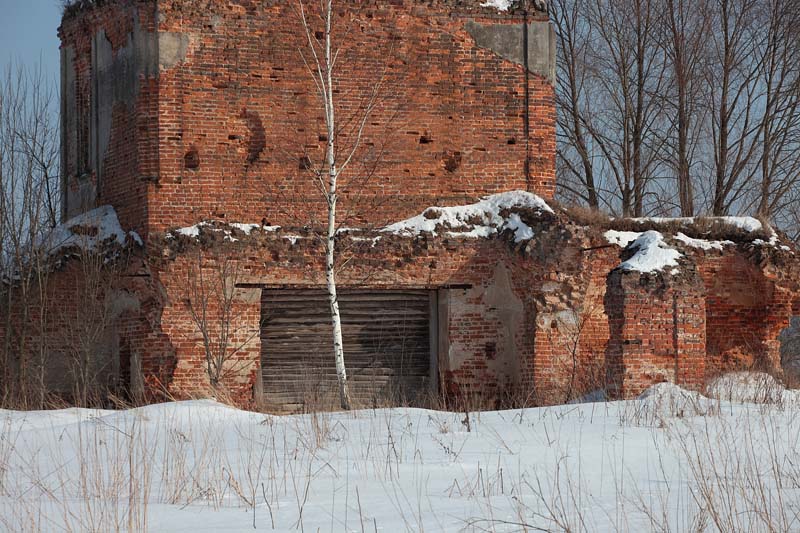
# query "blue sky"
(28, 34)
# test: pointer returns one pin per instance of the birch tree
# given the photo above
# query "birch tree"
(321, 59)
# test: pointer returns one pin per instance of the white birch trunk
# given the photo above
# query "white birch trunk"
(330, 243)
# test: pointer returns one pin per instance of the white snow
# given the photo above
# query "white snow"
(663, 220)
(478, 220)
(88, 231)
(752, 387)
(373, 240)
(500, 5)
(193, 232)
(522, 232)
(748, 224)
(702, 243)
(621, 238)
(245, 228)
(665, 462)
(773, 241)
(136, 238)
(652, 254)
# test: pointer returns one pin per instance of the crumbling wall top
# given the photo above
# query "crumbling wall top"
(514, 8)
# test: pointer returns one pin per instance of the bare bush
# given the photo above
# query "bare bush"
(29, 200)
(218, 316)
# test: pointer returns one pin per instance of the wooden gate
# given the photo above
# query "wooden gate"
(389, 347)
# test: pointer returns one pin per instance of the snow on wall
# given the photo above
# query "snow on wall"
(744, 223)
(500, 5)
(88, 231)
(652, 248)
(193, 232)
(652, 254)
(621, 238)
(481, 219)
(702, 243)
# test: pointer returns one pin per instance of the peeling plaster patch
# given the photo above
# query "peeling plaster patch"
(790, 347)
(172, 48)
(508, 42)
(508, 306)
(117, 77)
(123, 301)
(503, 307)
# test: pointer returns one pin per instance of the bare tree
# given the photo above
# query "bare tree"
(672, 106)
(29, 199)
(573, 30)
(684, 37)
(779, 56)
(732, 100)
(614, 74)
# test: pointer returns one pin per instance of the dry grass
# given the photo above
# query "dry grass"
(740, 469)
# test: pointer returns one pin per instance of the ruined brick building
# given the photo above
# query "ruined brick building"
(197, 120)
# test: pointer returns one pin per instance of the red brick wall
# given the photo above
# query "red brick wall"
(131, 159)
(449, 125)
(513, 316)
(483, 356)
(745, 313)
(657, 327)
(571, 328)
(62, 328)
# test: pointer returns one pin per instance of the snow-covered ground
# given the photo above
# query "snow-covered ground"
(670, 461)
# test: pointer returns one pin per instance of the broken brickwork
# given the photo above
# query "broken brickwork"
(542, 320)
(178, 112)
